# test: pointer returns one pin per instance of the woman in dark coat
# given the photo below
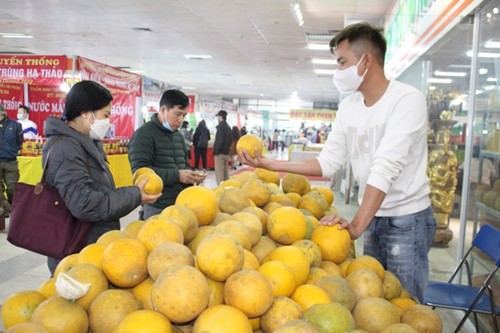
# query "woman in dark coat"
(200, 142)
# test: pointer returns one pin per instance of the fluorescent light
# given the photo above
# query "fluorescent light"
(484, 54)
(198, 56)
(453, 74)
(14, 35)
(438, 80)
(492, 44)
(324, 61)
(458, 66)
(188, 88)
(483, 71)
(491, 79)
(297, 14)
(318, 46)
(432, 88)
(324, 71)
(492, 87)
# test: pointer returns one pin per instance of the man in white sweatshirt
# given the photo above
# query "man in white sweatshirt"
(30, 130)
(381, 127)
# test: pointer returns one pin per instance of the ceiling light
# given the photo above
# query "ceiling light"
(453, 74)
(484, 54)
(318, 46)
(198, 56)
(137, 71)
(495, 10)
(491, 87)
(492, 44)
(318, 61)
(297, 14)
(432, 88)
(458, 66)
(438, 80)
(324, 71)
(14, 35)
(188, 88)
(483, 71)
(491, 79)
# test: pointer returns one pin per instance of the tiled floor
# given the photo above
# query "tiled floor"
(23, 270)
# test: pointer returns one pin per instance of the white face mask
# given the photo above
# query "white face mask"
(21, 116)
(347, 80)
(99, 128)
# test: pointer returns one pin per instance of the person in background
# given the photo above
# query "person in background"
(243, 131)
(159, 145)
(77, 166)
(276, 140)
(30, 130)
(223, 140)
(11, 141)
(201, 137)
(188, 138)
(381, 127)
(232, 150)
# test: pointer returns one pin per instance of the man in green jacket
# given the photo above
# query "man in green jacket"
(159, 145)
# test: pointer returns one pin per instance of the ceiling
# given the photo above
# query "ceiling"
(258, 49)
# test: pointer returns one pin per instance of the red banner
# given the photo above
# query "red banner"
(32, 69)
(11, 95)
(191, 104)
(116, 80)
(122, 115)
(44, 102)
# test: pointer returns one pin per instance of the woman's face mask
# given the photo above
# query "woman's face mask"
(347, 80)
(99, 128)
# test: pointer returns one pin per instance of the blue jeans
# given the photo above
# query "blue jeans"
(401, 244)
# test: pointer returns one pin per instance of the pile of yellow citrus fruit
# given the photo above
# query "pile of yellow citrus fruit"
(247, 256)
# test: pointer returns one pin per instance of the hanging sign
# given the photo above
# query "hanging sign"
(122, 116)
(313, 115)
(116, 80)
(32, 69)
(45, 101)
(11, 96)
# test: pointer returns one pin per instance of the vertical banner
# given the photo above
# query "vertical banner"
(124, 86)
(45, 101)
(191, 104)
(32, 69)
(11, 95)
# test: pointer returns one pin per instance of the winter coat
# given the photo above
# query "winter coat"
(77, 167)
(201, 135)
(162, 150)
(11, 139)
(223, 139)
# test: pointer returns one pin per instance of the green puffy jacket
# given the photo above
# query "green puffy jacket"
(162, 150)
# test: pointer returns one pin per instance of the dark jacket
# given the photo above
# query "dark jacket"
(201, 135)
(77, 168)
(223, 139)
(11, 139)
(156, 147)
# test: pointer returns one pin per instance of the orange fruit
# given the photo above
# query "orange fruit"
(154, 184)
(132, 229)
(307, 295)
(286, 225)
(144, 321)
(48, 287)
(281, 277)
(124, 262)
(180, 293)
(402, 303)
(260, 213)
(250, 261)
(203, 232)
(327, 193)
(233, 200)
(257, 191)
(184, 218)
(392, 286)
(315, 203)
(201, 200)
(65, 264)
(366, 262)
(294, 258)
(422, 318)
(331, 268)
(330, 317)
(399, 328)
(374, 314)
(58, 315)
(252, 223)
(339, 290)
(251, 143)
(316, 273)
(216, 292)
(237, 230)
(110, 236)
(143, 293)
(293, 182)
(334, 244)
(283, 310)
(26, 328)
(140, 172)
(155, 232)
(263, 248)
(219, 255)
(166, 254)
(19, 307)
(268, 176)
(109, 308)
(249, 291)
(91, 254)
(365, 283)
(222, 319)
(88, 273)
(310, 249)
(299, 326)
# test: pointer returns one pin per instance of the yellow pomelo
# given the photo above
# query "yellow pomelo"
(281, 311)
(334, 244)
(315, 203)
(365, 283)
(392, 286)
(375, 314)
(261, 214)
(286, 225)
(233, 200)
(139, 172)
(110, 236)
(222, 319)
(402, 303)
(58, 315)
(182, 217)
(298, 326)
(257, 191)
(26, 328)
(91, 254)
(180, 293)
(143, 293)
(316, 273)
(201, 200)
(270, 207)
(330, 318)
(422, 318)
(253, 224)
(250, 261)
(268, 176)
(66, 263)
(144, 321)
(294, 258)
(154, 183)
(88, 273)
(231, 182)
(294, 197)
(327, 193)
(399, 328)
(167, 254)
(310, 249)
(308, 295)
(339, 290)
(216, 289)
(249, 291)
(157, 231)
(48, 287)
(251, 143)
(237, 230)
(203, 232)
(331, 268)
(281, 277)
(295, 183)
(366, 262)
(263, 248)
(132, 229)
(19, 307)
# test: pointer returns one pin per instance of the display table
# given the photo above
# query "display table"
(210, 159)
(30, 169)
(300, 155)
